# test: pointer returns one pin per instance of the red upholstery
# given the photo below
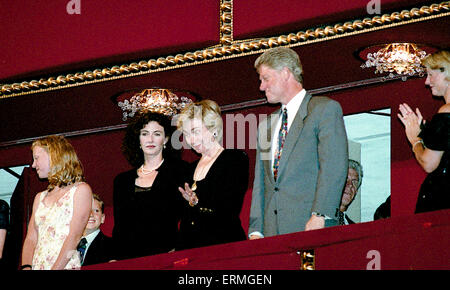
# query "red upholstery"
(406, 242)
(406, 178)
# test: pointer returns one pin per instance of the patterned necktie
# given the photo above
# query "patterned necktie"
(341, 216)
(81, 248)
(281, 138)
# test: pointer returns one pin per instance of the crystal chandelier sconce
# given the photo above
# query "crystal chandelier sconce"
(155, 100)
(399, 58)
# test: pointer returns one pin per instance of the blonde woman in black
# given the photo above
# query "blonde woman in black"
(430, 140)
(217, 183)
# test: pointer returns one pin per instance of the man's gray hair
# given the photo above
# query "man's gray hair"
(358, 168)
(279, 58)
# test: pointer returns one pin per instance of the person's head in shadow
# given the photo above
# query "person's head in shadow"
(354, 180)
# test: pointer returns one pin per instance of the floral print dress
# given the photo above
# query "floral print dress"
(53, 223)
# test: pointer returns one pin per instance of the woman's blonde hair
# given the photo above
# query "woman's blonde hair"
(439, 61)
(208, 112)
(65, 167)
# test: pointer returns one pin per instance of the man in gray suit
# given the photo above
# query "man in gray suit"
(302, 155)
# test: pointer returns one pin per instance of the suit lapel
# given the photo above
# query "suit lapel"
(272, 120)
(294, 133)
(350, 221)
(92, 248)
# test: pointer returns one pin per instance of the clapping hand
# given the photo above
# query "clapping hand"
(411, 121)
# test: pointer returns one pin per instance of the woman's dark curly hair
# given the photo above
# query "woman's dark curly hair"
(131, 145)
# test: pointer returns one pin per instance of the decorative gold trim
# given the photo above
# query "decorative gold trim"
(307, 260)
(226, 22)
(228, 49)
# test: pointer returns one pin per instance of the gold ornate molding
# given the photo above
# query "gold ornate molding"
(226, 22)
(228, 48)
(307, 259)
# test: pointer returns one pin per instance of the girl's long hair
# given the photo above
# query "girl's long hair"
(65, 167)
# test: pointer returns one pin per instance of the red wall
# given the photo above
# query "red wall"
(42, 35)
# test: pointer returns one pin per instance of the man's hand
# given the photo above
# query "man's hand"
(315, 223)
(255, 237)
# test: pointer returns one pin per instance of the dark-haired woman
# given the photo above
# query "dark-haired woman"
(146, 199)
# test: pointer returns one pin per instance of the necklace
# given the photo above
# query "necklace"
(146, 171)
(204, 169)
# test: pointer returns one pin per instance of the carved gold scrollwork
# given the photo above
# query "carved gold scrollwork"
(226, 22)
(228, 47)
(307, 259)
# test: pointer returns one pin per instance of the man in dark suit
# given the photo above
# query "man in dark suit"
(354, 180)
(95, 247)
(302, 156)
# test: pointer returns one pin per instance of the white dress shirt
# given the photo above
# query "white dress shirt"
(292, 108)
(90, 238)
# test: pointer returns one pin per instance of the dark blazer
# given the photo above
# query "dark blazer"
(312, 171)
(146, 223)
(100, 251)
(215, 219)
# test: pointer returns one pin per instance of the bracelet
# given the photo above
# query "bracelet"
(25, 266)
(415, 143)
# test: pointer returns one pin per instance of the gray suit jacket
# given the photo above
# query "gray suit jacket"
(312, 172)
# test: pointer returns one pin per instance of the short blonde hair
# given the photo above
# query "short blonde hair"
(280, 57)
(65, 167)
(208, 112)
(438, 61)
